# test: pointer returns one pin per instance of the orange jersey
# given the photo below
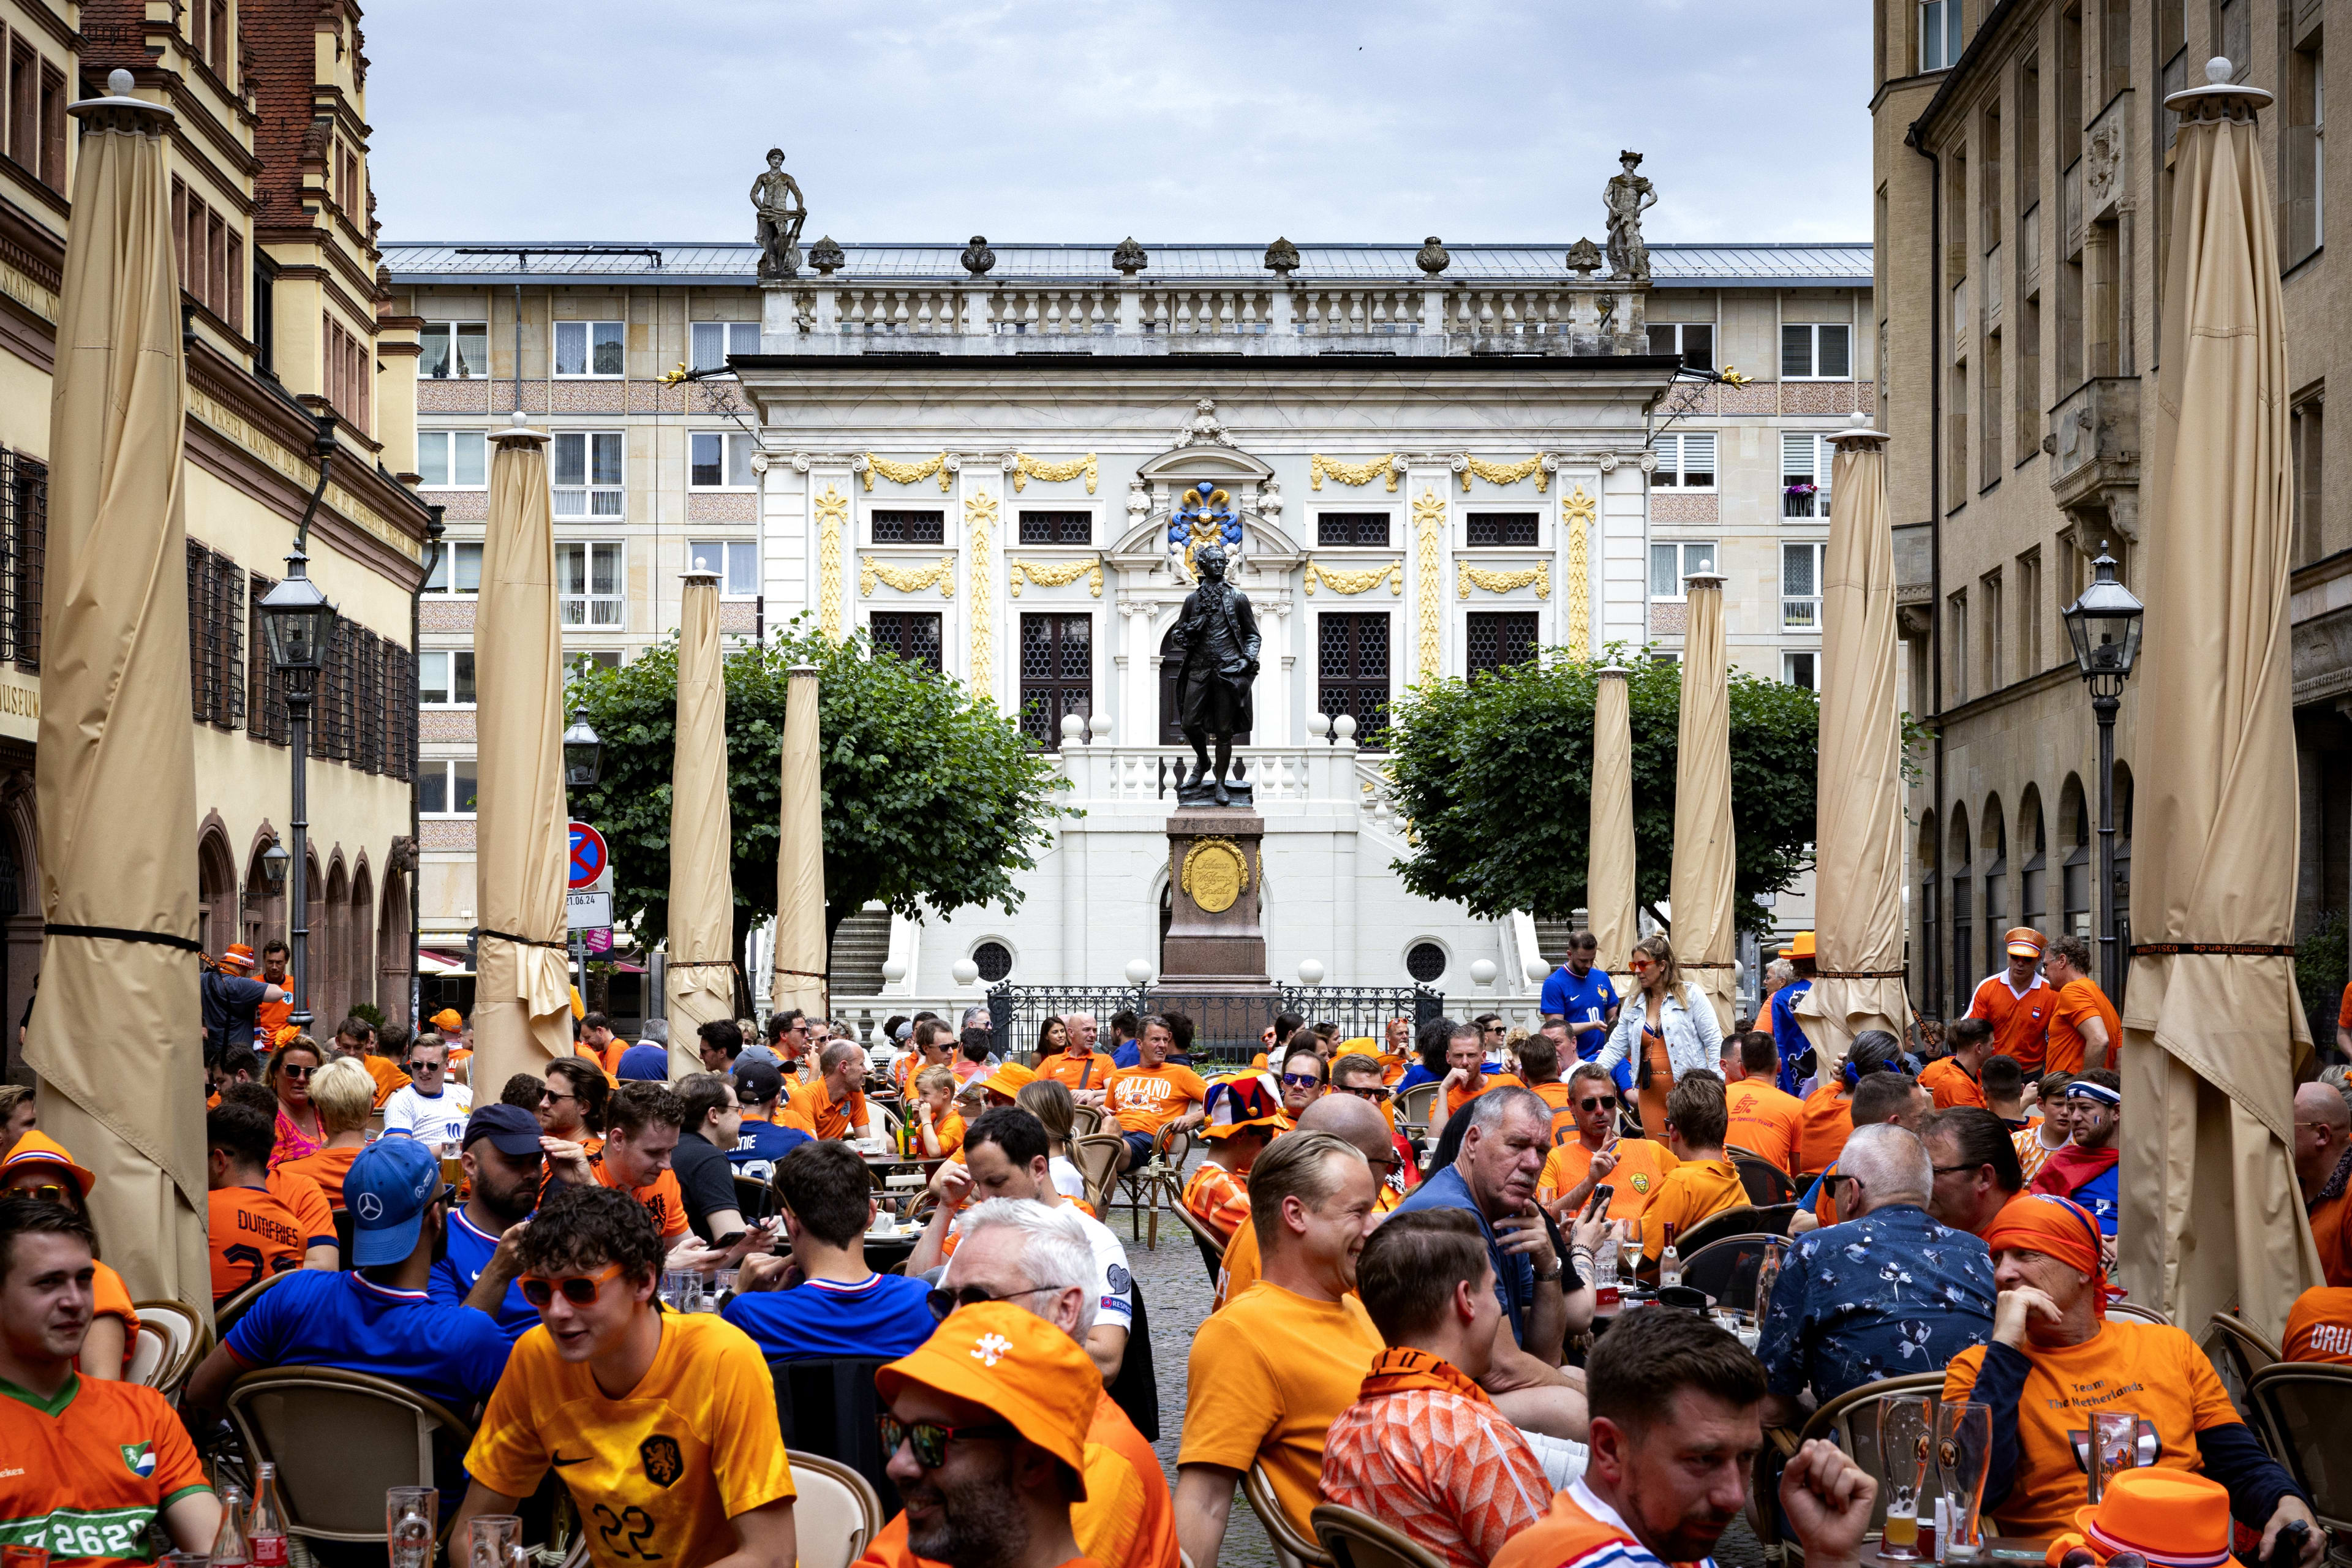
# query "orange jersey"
(949, 1133)
(1581, 1530)
(327, 1168)
(1086, 1069)
(312, 1211)
(1949, 1082)
(2079, 1000)
(1693, 1191)
(1641, 1167)
(1218, 1198)
(1828, 1123)
(2331, 1231)
(2153, 1368)
(90, 1469)
(1146, 1099)
(2319, 1326)
(252, 1234)
(1460, 1095)
(661, 1197)
(2343, 1010)
(389, 1080)
(823, 1116)
(2020, 1025)
(1764, 1121)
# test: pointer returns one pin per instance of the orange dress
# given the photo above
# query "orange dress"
(1653, 1099)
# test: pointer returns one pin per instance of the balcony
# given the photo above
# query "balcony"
(2093, 447)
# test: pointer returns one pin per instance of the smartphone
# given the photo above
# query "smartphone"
(1600, 1197)
(724, 1242)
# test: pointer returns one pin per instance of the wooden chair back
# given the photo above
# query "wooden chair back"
(179, 1336)
(1359, 1541)
(1766, 1184)
(835, 1515)
(338, 1439)
(2301, 1406)
(1097, 1156)
(1729, 1222)
(1291, 1549)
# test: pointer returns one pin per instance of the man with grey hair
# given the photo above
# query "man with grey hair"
(1886, 1290)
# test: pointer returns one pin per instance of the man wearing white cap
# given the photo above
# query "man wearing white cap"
(2018, 1001)
(2085, 1168)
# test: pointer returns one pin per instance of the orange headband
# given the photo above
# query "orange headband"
(2055, 1228)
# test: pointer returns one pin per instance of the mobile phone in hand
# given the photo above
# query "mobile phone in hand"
(1600, 1197)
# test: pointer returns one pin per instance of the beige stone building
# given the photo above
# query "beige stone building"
(2022, 181)
(286, 323)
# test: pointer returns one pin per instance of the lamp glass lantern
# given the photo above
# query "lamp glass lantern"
(584, 754)
(298, 621)
(2105, 626)
(274, 861)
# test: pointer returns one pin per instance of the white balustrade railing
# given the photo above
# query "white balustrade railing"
(1279, 776)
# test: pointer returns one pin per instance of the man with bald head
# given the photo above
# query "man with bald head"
(834, 1103)
(2323, 1168)
(1346, 1117)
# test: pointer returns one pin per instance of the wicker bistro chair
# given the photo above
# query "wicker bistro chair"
(1413, 1108)
(225, 1315)
(2238, 1350)
(1359, 1541)
(1169, 1150)
(1851, 1421)
(1726, 1268)
(2300, 1406)
(1213, 1248)
(1291, 1549)
(1766, 1184)
(339, 1439)
(171, 1340)
(2138, 1313)
(1739, 1221)
(1086, 1120)
(1097, 1156)
(837, 1513)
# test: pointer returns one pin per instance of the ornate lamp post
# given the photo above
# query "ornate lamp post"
(584, 754)
(298, 622)
(2104, 624)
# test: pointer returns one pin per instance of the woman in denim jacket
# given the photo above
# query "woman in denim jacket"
(1667, 1028)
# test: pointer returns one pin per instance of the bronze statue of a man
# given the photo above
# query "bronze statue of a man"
(1215, 645)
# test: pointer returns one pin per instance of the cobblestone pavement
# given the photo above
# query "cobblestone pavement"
(1177, 1292)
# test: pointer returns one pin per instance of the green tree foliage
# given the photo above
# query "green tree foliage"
(933, 799)
(1494, 773)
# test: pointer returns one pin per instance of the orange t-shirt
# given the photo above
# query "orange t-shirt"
(309, 1202)
(389, 1080)
(1554, 1094)
(950, 1133)
(1828, 1123)
(1460, 1096)
(327, 1169)
(1239, 1269)
(823, 1116)
(252, 1233)
(2331, 1232)
(1693, 1191)
(1090, 1069)
(1642, 1164)
(2343, 1010)
(1949, 1082)
(1218, 1198)
(1764, 1121)
(2319, 1326)
(2078, 1000)
(2020, 1025)
(661, 1197)
(2153, 1368)
(1146, 1099)
(90, 1470)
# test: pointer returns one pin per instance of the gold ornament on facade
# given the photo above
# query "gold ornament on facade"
(979, 517)
(1356, 582)
(1026, 468)
(1575, 520)
(1504, 473)
(1429, 519)
(1054, 574)
(1467, 576)
(906, 579)
(908, 473)
(1317, 466)
(832, 515)
(1215, 874)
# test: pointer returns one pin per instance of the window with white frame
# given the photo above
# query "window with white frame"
(1804, 474)
(714, 341)
(737, 562)
(721, 460)
(1939, 33)
(1801, 588)
(1685, 461)
(589, 348)
(588, 584)
(577, 660)
(1691, 341)
(446, 786)
(445, 677)
(1802, 670)
(454, 350)
(587, 473)
(1816, 351)
(459, 570)
(1670, 564)
(452, 460)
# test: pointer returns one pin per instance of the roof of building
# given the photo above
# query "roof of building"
(1763, 266)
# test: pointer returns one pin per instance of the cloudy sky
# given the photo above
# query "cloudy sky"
(1206, 119)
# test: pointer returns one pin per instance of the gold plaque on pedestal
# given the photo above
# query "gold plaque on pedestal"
(1215, 874)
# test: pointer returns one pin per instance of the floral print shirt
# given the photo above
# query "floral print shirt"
(1890, 1293)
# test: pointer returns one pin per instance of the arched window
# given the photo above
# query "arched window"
(2033, 876)
(2074, 845)
(1995, 840)
(1927, 982)
(1964, 903)
(216, 901)
(331, 958)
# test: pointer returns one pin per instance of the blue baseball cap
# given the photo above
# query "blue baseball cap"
(390, 1185)
(645, 1064)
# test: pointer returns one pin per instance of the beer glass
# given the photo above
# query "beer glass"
(494, 1541)
(411, 1522)
(27, 1556)
(1629, 1247)
(1905, 1425)
(1963, 1453)
(2115, 1445)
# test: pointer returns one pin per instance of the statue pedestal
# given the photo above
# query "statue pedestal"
(1216, 870)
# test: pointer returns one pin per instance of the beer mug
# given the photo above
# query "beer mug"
(2115, 1448)
(494, 1541)
(1963, 1454)
(412, 1518)
(1905, 1427)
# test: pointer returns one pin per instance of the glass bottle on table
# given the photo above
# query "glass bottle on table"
(1670, 1262)
(265, 1526)
(229, 1548)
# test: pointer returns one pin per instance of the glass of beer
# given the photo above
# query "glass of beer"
(1905, 1433)
(2115, 1448)
(452, 1167)
(411, 1524)
(1963, 1454)
(494, 1541)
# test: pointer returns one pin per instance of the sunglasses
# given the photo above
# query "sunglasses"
(1302, 1079)
(1372, 1092)
(943, 1302)
(1641, 966)
(929, 1439)
(549, 1097)
(580, 1289)
(48, 1192)
(1597, 1102)
(290, 1070)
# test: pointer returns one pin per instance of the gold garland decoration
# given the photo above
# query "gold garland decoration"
(1356, 582)
(832, 513)
(1467, 575)
(1428, 517)
(906, 579)
(1026, 468)
(1216, 873)
(907, 473)
(1317, 466)
(1576, 515)
(1047, 575)
(1504, 473)
(979, 517)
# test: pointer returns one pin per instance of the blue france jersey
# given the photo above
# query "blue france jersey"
(314, 1318)
(468, 1254)
(759, 1144)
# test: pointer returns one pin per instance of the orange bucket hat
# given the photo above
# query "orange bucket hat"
(2172, 1517)
(1031, 1374)
(239, 955)
(38, 1148)
(1009, 1080)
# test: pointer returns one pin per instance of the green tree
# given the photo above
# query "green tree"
(933, 800)
(1494, 773)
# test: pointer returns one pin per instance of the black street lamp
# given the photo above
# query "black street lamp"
(298, 623)
(2105, 626)
(584, 754)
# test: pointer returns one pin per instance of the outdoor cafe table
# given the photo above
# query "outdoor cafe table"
(2000, 1552)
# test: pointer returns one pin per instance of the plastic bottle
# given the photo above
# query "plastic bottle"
(1670, 1262)
(264, 1527)
(229, 1548)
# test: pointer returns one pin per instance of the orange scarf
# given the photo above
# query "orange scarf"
(1400, 1369)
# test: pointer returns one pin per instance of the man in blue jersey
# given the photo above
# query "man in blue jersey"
(1782, 1011)
(823, 1300)
(376, 1317)
(503, 1169)
(1580, 991)
(762, 1141)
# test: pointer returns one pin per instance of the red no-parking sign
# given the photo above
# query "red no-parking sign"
(590, 858)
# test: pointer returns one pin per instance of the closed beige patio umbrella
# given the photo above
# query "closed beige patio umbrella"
(1858, 834)
(701, 976)
(800, 961)
(1609, 848)
(522, 986)
(1699, 887)
(114, 1034)
(2212, 1024)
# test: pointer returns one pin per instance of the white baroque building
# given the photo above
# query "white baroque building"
(1422, 472)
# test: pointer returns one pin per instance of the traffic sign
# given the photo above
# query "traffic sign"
(590, 858)
(588, 911)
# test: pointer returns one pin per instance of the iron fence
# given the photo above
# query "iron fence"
(1228, 1030)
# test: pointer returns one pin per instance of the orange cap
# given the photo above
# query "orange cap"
(239, 954)
(1799, 946)
(1021, 1367)
(38, 1148)
(1361, 1046)
(1009, 1080)
(2172, 1517)
(446, 1021)
(2023, 942)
